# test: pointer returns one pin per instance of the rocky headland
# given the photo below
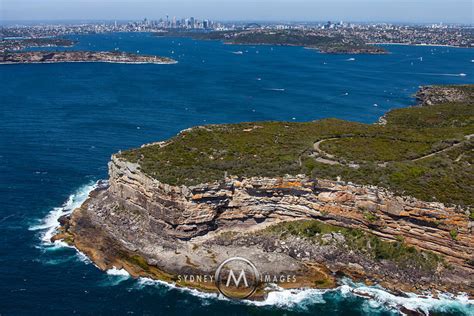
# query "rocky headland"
(16, 44)
(431, 95)
(182, 207)
(43, 57)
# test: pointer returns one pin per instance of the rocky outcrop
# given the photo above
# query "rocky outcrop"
(157, 230)
(186, 212)
(431, 95)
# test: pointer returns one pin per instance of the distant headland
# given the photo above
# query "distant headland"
(43, 57)
(327, 43)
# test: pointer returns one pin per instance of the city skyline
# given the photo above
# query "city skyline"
(420, 11)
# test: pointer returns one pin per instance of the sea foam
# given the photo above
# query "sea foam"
(376, 297)
(118, 272)
(50, 223)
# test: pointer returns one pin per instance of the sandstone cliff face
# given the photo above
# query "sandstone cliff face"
(137, 209)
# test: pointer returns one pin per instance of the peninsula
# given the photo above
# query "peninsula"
(44, 57)
(16, 44)
(324, 43)
(387, 203)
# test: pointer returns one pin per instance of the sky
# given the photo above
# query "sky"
(414, 11)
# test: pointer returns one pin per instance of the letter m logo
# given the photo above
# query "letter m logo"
(237, 281)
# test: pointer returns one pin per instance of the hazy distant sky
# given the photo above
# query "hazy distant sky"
(448, 11)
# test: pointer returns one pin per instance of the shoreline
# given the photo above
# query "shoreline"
(89, 62)
(136, 263)
(423, 44)
(84, 230)
(418, 303)
(319, 50)
(50, 57)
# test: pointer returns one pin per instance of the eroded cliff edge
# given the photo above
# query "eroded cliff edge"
(313, 228)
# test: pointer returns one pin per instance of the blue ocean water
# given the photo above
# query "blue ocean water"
(59, 124)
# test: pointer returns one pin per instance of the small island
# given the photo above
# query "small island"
(387, 203)
(44, 57)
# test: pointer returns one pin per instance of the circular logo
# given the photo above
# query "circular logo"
(237, 278)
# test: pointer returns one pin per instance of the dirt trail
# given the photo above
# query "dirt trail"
(329, 159)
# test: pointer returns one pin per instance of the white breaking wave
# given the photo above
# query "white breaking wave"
(290, 299)
(50, 223)
(82, 257)
(144, 282)
(115, 277)
(443, 303)
(118, 272)
(376, 298)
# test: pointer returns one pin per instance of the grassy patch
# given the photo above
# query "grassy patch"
(438, 116)
(376, 148)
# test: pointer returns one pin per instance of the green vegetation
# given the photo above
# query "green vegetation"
(140, 262)
(205, 154)
(454, 234)
(360, 241)
(371, 217)
(303, 228)
(377, 149)
(448, 115)
(326, 43)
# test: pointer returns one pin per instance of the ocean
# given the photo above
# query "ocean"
(60, 123)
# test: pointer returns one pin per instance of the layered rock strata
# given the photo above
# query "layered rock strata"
(170, 230)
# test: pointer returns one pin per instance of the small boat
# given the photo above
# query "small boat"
(462, 75)
(275, 89)
(239, 52)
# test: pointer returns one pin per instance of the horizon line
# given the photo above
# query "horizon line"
(238, 21)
